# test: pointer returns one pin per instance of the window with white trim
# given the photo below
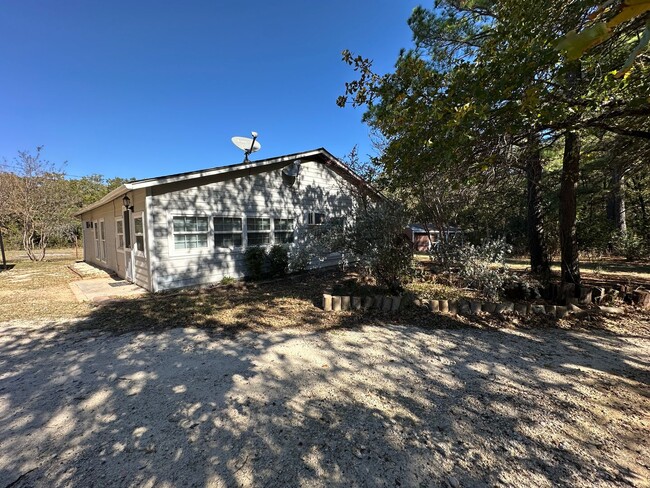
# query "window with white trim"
(283, 231)
(316, 218)
(102, 240)
(258, 231)
(96, 238)
(227, 231)
(190, 232)
(119, 234)
(138, 232)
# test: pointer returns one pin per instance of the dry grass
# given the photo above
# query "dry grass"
(41, 291)
(31, 290)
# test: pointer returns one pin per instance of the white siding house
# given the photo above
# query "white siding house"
(193, 228)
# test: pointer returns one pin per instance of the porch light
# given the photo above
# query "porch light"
(126, 201)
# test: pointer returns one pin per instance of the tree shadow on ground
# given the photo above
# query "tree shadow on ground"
(327, 400)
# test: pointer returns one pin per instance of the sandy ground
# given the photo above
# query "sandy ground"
(375, 406)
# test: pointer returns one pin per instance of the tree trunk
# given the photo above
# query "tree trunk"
(642, 206)
(2, 249)
(616, 201)
(568, 189)
(539, 259)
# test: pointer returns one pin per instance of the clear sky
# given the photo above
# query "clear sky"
(142, 88)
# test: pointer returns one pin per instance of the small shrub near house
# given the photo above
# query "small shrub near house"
(374, 240)
(278, 260)
(255, 258)
(228, 280)
(261, 262)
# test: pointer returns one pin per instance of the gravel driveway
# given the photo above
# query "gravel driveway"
(374, 406)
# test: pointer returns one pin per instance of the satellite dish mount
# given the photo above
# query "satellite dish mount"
(247, 145)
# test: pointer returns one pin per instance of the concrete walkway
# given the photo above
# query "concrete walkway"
(98, 290)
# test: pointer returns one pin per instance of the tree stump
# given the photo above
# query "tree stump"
(641, 298)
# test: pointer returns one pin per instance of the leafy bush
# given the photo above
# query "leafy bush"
(255, 258)
(278, 259)
(299, 259)
(481, 267)
(374, 238)
(630, 245)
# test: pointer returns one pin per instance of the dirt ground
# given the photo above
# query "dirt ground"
(390, 405)
(257, 386)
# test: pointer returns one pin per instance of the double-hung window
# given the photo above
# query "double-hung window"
(316, 218)
(283, 231)
(190, 232)
(258, 231)
(102, 240)
(119, 234)
(227, 232)
(96, 238)
(138, 232)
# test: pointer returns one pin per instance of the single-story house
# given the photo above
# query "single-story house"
(193, 228)
(424, 240)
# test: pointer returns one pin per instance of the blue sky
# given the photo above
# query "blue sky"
(145, 88)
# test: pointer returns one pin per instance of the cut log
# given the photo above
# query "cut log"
(327, 302)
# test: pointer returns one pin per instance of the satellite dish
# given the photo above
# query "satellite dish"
(292, 169)
(247, 144)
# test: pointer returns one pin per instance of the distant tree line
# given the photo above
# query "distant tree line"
(38, 202)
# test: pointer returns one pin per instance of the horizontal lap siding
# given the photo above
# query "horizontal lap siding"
(265, 194)
(108, 213)
(140, 263)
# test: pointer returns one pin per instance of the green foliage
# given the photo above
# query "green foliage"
(481, 86)
(373, 238)
(299, 259)
(255, 258)
(227, 280)
(278, 260)
(481, 267)
(630, 245)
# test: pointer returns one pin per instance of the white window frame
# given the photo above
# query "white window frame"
(274, 230)
(214, 232)
(118, 234)
(311, 217)
(134, 244)
(171, 245)
(102, 240)
(96, 239)
(269, 231)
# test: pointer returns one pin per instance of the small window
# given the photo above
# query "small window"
(138, 232)
(96, 238)
(102, 241)
(227, 232)
(283, 231)
(119, 234)
(259, 231)
(190, 232)
(316, 218)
